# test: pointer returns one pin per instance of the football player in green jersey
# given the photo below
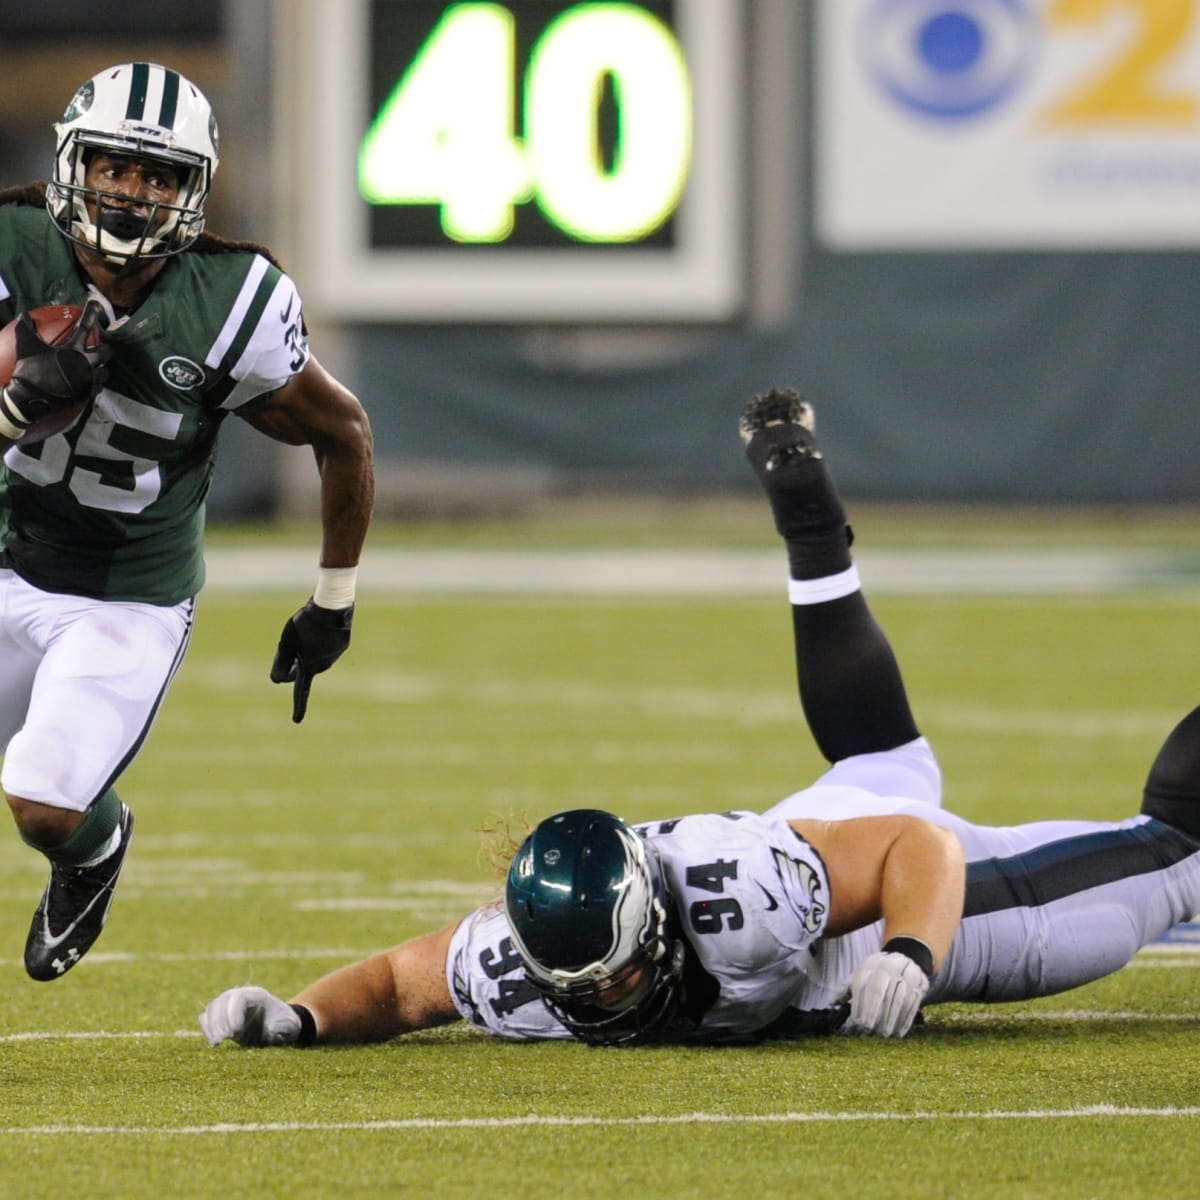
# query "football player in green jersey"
(102, 521)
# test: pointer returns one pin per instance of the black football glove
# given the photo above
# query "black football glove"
(313, 639)
(49, 379)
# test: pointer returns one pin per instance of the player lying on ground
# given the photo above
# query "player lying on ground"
(848, 905)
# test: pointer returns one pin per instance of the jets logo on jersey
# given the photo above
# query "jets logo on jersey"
(180, 373)
(803, 881)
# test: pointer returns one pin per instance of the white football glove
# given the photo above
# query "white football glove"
(885, 994)
(250, 1016)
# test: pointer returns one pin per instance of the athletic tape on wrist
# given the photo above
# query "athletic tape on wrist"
(308, 1025)
(335, 587)
(913, 948)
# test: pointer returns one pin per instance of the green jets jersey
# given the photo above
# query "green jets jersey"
(114, 507)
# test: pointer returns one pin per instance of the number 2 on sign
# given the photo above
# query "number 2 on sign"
(1133, 87)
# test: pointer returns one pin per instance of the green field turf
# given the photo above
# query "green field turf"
(268, 853)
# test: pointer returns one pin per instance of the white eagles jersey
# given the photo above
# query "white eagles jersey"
(1048, 906)
(752, 899)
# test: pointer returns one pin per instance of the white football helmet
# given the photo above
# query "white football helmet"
(145, 111)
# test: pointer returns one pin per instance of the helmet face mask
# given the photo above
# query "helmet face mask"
(643, 1010)
(592, 920)
(145, 112)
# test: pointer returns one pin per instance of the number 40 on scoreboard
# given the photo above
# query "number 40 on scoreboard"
(601, 98)
(523, 161)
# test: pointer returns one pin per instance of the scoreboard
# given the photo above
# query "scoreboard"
(527, 161)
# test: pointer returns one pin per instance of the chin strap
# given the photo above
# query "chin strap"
(111, 320)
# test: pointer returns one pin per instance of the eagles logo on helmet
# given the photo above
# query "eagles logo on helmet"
(591, 918)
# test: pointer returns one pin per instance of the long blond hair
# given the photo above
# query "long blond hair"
(500, 839)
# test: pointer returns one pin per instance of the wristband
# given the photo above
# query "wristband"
(8, 427)
(335, 587)
(913, 948)
(308, 1025)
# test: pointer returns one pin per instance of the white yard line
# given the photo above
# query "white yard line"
(773, 704)
(1107, 1111)
(100, 958)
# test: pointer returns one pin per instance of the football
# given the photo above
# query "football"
(55, 323)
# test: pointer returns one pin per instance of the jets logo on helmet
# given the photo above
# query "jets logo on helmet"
(140, 110)
(591, 918)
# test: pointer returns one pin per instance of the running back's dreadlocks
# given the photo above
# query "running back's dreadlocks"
(33, 195)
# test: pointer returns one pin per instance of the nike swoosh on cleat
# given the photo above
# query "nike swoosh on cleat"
(53, 941)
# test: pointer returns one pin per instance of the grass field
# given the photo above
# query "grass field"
(269, 853)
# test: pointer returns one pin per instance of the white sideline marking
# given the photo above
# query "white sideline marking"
(698, 1118)
(670, 571)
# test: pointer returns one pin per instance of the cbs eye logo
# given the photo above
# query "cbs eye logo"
(946, 60)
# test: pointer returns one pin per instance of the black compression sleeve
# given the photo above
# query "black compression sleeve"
(851, 688)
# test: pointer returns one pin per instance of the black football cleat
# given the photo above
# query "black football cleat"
(778, 409)
(777, 430)
(73, 909)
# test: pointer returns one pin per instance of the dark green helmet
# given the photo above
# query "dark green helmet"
(591, 917)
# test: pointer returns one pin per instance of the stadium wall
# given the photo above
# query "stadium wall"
(1006, 373)
(1060, 373)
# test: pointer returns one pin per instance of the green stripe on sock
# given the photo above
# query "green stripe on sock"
(94, 830)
